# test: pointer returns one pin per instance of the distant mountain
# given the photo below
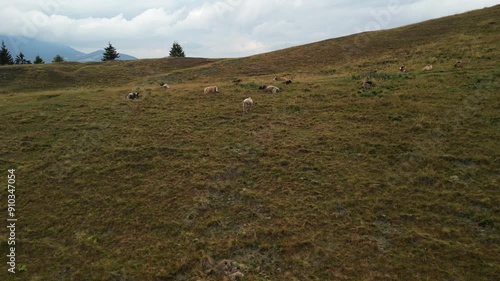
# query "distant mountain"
(32, 47)
(97, 56)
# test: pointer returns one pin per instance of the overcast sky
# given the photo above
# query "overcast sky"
(215, 28)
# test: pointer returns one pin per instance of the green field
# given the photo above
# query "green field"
(322, 181)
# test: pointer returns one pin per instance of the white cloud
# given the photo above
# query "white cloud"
(199, 18)
(241, 45)
(215, 28)
(11, 20)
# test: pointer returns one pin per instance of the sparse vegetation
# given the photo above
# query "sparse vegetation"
(317, 182)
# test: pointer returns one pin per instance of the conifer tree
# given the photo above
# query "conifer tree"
(58, 58)
(176, 50)
(5, 57)
(38, 60)
(20, 59)
(110, 53)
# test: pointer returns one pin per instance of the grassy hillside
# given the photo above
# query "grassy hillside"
(93, 74)
(323, 181)
(472, 37)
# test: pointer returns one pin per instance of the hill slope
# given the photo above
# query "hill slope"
(95, 74)
(323, 181)
(471, 37)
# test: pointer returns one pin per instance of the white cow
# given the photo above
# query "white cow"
(270, 88)
(427, 67)
(247, 105)
(211, 89)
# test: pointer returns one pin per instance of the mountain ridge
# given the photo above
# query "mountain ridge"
(31, 48)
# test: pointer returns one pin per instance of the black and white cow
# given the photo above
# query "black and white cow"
(133, 95)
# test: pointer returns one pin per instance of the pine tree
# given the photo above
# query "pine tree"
(58, 58)
(38, 60)
(110, 53)
(5, 57)
(20, 59)
(176, 50)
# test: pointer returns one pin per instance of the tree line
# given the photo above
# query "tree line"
(109, 54)
(6, 57)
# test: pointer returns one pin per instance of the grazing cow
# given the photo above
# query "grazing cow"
(270, 88)
(458, 64)
(133, 95)
(211, 89)
(427, 67)
(402, 68)
(247, 105)
(283, 79)
(164, 85)
(367, 85)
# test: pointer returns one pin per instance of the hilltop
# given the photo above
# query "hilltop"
(470, 37)
(322, 181)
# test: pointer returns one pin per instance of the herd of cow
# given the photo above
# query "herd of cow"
(367, 85)
(248, 102)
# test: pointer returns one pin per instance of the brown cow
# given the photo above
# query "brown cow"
(367, 85)
(282, 79)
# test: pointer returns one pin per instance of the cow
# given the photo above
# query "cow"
(211, 89)
(283, 79)
(458, 64)
(270, 88)
(164, 85)
(427, 67)
(402, 68)
(367, 85)
(133, 95)
(247, 105)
